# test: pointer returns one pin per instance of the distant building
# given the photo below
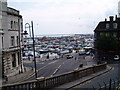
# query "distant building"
(11, 26)
(110, 27)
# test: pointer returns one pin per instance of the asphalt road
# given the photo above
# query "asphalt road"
(56, 67)
(100, 81)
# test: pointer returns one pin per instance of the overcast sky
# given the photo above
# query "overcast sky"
(65, 16)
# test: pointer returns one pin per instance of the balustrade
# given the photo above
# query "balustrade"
(54, 81)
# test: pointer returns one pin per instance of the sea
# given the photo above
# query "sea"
(53, 35)
(58, 35)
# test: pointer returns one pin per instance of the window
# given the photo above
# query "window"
(19, 58)
(2, 42)
(115, 34)
(13, 60)
(14, 25)
(11, 24)
(17, 40)
(101, 34)
(22, 26)
(107, 34)
(115, 25)
(12, 41)
(107, 26)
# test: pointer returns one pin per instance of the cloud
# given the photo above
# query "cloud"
(65, 16)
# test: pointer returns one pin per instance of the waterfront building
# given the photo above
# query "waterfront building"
(11, 26)
(108, 28)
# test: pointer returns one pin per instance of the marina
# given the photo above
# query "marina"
(47, 47)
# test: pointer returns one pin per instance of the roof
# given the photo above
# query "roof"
(102, 25)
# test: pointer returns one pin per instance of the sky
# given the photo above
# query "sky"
(65, 16)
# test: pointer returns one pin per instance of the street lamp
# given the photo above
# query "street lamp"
(27, 25)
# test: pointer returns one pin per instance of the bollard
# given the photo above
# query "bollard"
(81, 65)
(93, 87)
(99, 85)
(105, 85)
(110, 84)
(114, 83)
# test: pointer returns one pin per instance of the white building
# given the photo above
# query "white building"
(11, 26)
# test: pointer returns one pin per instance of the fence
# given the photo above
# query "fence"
(112, 84)
(54, 81)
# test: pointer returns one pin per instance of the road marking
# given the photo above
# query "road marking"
(52, 62)
(94, 78)
(78, 86)
(104, 73)
(31, 75)
(41, 63)
(57, 69)
(59, 66)
(24, 78)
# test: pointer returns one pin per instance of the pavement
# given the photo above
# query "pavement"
(23, 76)
(82, 80)
(19, 77)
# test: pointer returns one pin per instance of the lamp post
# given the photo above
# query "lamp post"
(27, 25)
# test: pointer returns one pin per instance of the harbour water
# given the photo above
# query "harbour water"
(53, 35)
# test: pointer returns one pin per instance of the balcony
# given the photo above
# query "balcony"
(11, 49)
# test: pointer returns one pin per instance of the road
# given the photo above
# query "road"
(59, 66)
(100, 81)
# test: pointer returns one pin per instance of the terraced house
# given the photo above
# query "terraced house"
(107, 38)
(11, 26)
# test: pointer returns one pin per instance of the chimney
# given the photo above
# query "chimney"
(105, 19)
(111, 18)
(115, 17)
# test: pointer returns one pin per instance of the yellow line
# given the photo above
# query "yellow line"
(24, 78)
(113, 68)
(31, 75)
(92, 79)
(78, 86)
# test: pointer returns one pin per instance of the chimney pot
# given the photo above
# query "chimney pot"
(115, 17)
(105, 19)
(111, 18)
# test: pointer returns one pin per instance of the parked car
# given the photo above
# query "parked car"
(30, 53)
(24, 58)
(116, 57)
(81, 52)
(69, 56)
(88, 53)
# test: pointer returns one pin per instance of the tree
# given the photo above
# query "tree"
(107, 43)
